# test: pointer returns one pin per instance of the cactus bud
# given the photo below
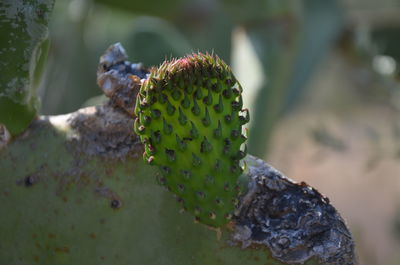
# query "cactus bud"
(190, 121)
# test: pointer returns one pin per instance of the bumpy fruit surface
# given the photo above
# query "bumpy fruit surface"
(190, 117)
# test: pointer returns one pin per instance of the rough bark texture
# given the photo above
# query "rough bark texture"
(293, 220)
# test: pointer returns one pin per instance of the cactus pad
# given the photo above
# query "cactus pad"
(190, 117)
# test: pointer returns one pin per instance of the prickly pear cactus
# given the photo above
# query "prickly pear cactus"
(190, 118)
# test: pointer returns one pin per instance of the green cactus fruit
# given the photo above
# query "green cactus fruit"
(190, 117)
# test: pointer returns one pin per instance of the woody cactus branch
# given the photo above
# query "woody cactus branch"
(75, 190)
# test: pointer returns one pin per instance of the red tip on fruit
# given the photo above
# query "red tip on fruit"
(184, 62)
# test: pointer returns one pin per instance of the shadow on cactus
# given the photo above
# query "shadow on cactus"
(190, 118)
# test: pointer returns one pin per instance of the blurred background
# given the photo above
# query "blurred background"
(321, 80)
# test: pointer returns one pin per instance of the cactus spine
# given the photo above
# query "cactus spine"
(190, 117)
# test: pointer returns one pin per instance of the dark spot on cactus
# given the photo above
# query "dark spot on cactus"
(165, 170)
(206, 83)
(228, 118)
(212, 215)
(239, 155)
(218, 131)
(170, 155)
(219, 202)
(162, 98)
(179, 199)
(205, 146)
(153, 100)
(229, 82)
(235, 105)
(195, 108)
(156, 136)
(146, 120)
(201, 195)
(170, 109)
(235, 201)
(218, 71)
(182, 117)
(210, 69)
(196, 161)
(189, 89)
(30, 180)
(186, 174)
(226, 187)
(181, 187)
(115, 204)
(228, 216)
(220, 106)
(208, 99)
(209, 180)
(214, 87)
(176, 94)
(194, 133)
(155, 113)
(227, 93)
(236, 91)
(243, 120)
(198, 94)
(206, 119)
(235, 134)
(235, 168)
(185, 102)
(217, 165)
(161, 180)
(167, 128)
(181, 144)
